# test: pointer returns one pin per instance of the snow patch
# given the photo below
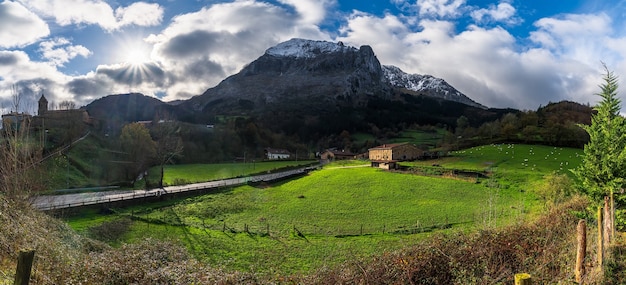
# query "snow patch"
(425, 83)
(301, 48)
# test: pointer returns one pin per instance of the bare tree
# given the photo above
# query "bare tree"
(19, 154)
(67, 105)
(169, 144)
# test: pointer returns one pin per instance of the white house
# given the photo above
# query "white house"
(274, 153)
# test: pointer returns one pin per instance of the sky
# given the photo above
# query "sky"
(506, 53)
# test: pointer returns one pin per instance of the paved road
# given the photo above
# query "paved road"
(53, 202)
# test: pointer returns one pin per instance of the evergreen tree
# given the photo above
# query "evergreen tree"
(603, 168)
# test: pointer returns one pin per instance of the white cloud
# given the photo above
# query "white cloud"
(310, 11)
(584, 37)
(31, 78)
(97, 12)
(504, 12)
(487, 64)
(440, 8)
(18, 26)
(60, 51)
(140, 14)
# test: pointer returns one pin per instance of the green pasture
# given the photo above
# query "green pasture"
(419, 137)
(332, 215)
(193, 173)
(515, 166)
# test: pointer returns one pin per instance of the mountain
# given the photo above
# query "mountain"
(322, 74)
(311, 89)
(115, 110)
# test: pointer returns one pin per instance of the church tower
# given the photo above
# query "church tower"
(43, 105)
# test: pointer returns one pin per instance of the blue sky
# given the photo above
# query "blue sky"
(506, 53)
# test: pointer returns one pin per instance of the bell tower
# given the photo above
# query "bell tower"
(43, 105)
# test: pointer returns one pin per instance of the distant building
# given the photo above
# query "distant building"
(388, 155)
(274, 153)
(65, 119)
(16, 121)
(334, 154)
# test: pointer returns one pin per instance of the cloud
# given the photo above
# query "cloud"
(18, 26)
(60, 51)
(504, 12)
(140, 14)
(30, 78)
(310, 11)
(580, 36)
(97, 12)
(440, 8)
(487, 64)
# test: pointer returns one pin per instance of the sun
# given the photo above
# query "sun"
(136, 56)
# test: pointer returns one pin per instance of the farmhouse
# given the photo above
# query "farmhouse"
(334, 154)
(275, 153)
(386, 156)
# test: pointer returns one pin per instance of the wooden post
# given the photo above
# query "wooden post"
(523, 279)
(607, 222)
(581, 231)
(612, 216)
(600, 241)
(24, 266)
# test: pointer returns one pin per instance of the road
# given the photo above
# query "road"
(53, 202)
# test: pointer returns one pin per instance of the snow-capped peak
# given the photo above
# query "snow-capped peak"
(302, 48)
(428, 84)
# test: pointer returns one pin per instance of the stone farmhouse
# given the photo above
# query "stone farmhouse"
(388, 155)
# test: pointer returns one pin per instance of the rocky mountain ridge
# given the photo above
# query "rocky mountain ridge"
(317, 73)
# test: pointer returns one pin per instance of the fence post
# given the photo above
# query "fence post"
(24, 266)
(607, 222)
(523, 279)
(612, 216)
(581, 231)
(600, 239)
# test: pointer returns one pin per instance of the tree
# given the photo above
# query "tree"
(169, 144)
(603, 168)
(141, 149)
(67, 105)
(20, 154)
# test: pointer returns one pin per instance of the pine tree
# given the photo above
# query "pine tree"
(603, 168)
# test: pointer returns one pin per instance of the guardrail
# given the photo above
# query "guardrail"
(47, 203)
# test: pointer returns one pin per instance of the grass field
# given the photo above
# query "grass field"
(342, 212)
(417, 137)
(192, 173)
(520, 167)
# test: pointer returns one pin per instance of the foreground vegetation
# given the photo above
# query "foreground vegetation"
(489, 256)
